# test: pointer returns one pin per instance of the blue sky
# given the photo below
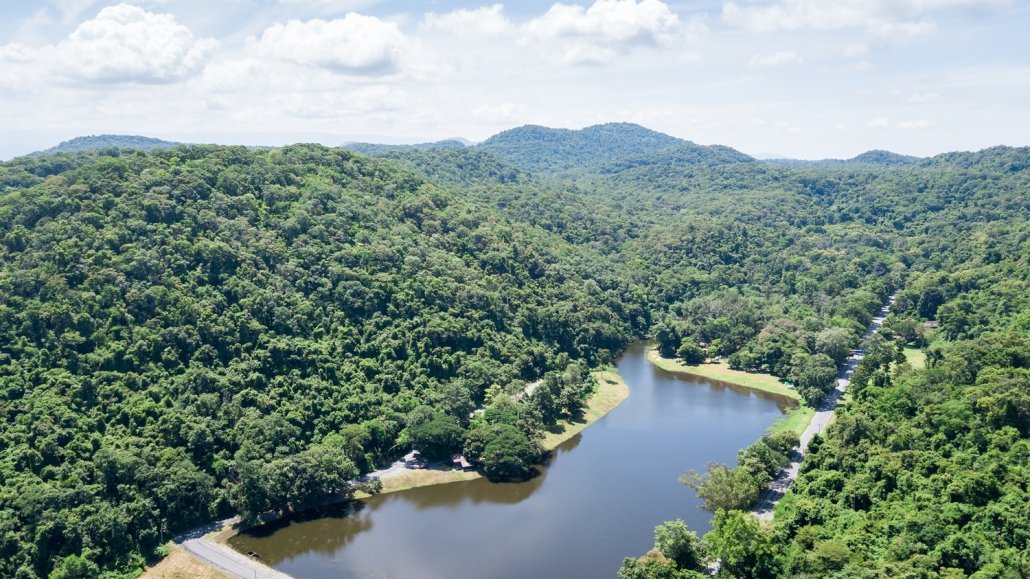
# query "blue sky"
(798, 78)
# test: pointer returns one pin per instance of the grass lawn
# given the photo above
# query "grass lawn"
(915, 358)
(796, 419)
(422, 478)
(722, 372)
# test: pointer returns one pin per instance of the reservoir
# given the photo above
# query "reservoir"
(596, 502)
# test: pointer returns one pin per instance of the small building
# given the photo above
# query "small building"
(931, 325)
(459, 461)
(412, 457)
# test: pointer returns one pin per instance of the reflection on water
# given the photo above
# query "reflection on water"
(596, 501)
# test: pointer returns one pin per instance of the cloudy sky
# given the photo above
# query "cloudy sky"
(798, 78)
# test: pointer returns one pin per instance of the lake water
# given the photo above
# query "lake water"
(596, 502)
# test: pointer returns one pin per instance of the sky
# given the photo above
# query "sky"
(805, 79)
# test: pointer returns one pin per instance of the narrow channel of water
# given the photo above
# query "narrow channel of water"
(596, 502)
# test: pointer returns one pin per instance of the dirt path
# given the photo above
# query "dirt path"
(824, 414)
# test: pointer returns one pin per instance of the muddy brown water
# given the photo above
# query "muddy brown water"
(596, 502)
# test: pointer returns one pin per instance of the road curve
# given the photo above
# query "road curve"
(782, 483)
(223, 557)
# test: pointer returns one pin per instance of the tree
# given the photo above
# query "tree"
(437, 438)
(835, 342)
(690, 352)
(509, 454)
(724, 488)
(746, 549)
(75, 567)
(654, 565)
(674, 540)
(667, 337)
(814, 376)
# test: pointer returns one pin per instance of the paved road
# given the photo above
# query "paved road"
(779, 487)
(223, 557)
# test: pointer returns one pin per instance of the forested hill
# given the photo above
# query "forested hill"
(544, 150)
(98, 142)
(181, 330)
(377, 149)
(876, 157)
(193, 332)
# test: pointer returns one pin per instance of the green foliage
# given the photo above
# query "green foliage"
(745, 548)
(179, 325)
(725, 488)
(690, 352)
(103, 142)
(674, 540)
(654, 565)
(509, 454)
(925, 471)
(814, 376)
(436, 438)
(180, 328)
(541, 149)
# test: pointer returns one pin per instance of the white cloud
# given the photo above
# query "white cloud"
(483, 21)
(16, 53)
(775, 59)
(856, 50)
(355, 44)
(914, 124)
(605, 30)
(885, 123)
(505, 112)
(127, 43)
(922, 97)
(880, 17)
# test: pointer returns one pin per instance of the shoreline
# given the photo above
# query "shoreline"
(795, 418)
(611, 391)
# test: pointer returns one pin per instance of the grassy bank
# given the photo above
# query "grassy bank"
(611, 391)
(722, 372)
(796, 418)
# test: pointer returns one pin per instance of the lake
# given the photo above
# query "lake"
(596, 502)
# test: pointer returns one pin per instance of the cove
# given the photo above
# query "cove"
(596, 502)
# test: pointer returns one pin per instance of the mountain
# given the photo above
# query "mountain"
(99, 142)
(874, 158)
(884, 158)
(377, 149)
(685, 155)
(189, 334)
(544, 150)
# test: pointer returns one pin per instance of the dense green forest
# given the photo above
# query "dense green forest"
(98, 142)
(192, 332)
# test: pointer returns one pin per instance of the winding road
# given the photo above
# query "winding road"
(823, 415)
(223, 557)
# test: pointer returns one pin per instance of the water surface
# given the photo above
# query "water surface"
(596, 502)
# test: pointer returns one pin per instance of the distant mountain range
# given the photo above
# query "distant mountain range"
(876, 157)
(98, 142)
(379, 149)
(610, 148)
